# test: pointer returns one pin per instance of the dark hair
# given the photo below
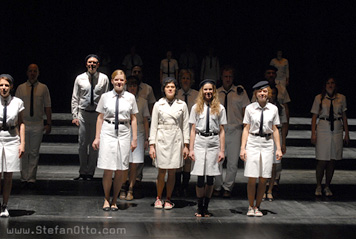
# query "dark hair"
(166, 81)
(323, 92)
(90, 56)
(276, 102)
(132, 80)
(228, 68)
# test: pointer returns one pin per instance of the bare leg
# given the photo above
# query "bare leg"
(272, 179)
(170, 182)
(119, 179)
(209, 190)
(330, 168)
(261, 189)
(160, 182)
(251, 191)
(320, 168)
(107, 182)
(7, 187)
(133, 171)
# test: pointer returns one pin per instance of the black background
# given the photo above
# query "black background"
(317, 37)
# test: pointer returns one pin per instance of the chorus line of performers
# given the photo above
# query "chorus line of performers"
(191, 133)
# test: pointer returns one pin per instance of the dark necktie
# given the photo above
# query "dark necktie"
(168, 68)
(211, 62)
(31, 106)
(92, 90)
(207, 119)
(117, 112)
(331, 115)
(225, 102)
(186, 98)
(261, 124)
(4, 116)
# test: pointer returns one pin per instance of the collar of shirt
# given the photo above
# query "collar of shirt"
(186, 93)
(115, 94)
(29, 83)
(257, 105)
(8, 99)
(232, 89)
(96, 74)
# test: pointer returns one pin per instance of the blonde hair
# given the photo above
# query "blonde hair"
(269, 94)
(118, 72)
(215, 103)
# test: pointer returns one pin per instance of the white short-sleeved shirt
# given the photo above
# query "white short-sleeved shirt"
(200, 119)
(145, 91)
(143, 111)
(339, 105)
(283, 68)
(192, 96)
(173, 67)
(235, 104)
(14, 107)
(253, 117)
(127, 106)
(41, 100)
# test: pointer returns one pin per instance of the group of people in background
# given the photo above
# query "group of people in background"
(187, 132)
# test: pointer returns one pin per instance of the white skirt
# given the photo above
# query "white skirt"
(329, 144)
(9, 151)
(206, 151)
(114, 149)
(138, 155)
(259, 153)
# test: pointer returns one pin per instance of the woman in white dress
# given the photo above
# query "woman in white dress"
(137, 157)
(117, 110)
(283, 69)
(12, 138)
(207, 142)
(282, 128)
(257, 148)
(330, 108)
(169, 139)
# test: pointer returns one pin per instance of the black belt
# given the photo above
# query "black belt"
(120, 122)
(329, 119)
(264, 135)
(207, 134)
(7, 128)
(89, 111)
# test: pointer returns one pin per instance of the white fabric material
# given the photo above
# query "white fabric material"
(114, 148)
(82, 92)
(206, 149)
(146, 92)
(207, 72)
(169, 132)
(283, 70)
(173, 67)
(41, 99)
(192, 96)
(10, 140)
(329, 144)
(127, 62)
(138, 155)
(260, 150)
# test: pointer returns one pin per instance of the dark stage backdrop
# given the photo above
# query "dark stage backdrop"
(317, 37)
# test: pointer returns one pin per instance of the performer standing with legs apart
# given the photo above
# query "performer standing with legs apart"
(257, 148)
(207, 142)
(169, 138)
(117, 109)
(331, 108)
(12, 138)
(87, 90)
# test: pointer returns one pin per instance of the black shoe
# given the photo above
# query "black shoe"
(23, 184)
(89, 177)
(80, 177)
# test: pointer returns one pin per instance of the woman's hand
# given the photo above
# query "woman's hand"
(185, 152)
(243, 154)
(152, 152)
(346, 139)
(221, 156)
(21, 150)
(146, 144)
(96, 144)
(192, 155)
(313, 139)
(279, 154)
(133, 145)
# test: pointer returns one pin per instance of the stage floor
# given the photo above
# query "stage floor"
(62, 208)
